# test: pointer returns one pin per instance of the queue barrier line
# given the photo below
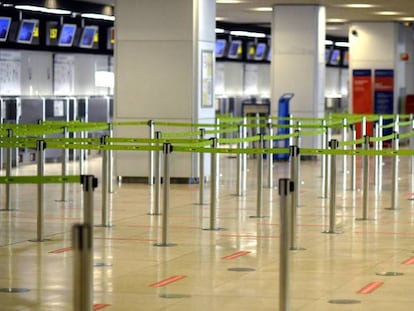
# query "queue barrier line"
(51, 179)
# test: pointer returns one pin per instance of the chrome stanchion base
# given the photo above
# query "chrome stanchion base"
(165, 244)
(364, 219)
(259, 216)
(102, 264)
(392, 208)
(214, 229)
(154, 214)
(297, 248)
(37, 240)
(8, 210)
(333, 232)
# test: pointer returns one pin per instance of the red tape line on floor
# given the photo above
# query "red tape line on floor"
(236, 255)
(409, 261)
(371, 287)
(61, 250)
(100, 306)
(170, 280)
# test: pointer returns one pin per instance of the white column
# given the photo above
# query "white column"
(298, 60)
(160, 73)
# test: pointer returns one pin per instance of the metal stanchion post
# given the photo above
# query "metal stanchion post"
(201, 170)
(380, 147)
(157, 194)
(344, 158)
(239, 181)
(324, 156)
(40, 148)
(167, 149)
(244, 157)
(9, 155)
(365, 181)
(285, 189)
(353, 159)
(394, 178)
(294, 152)
(270, 156)
(376, 135)
(89, 183)
(364, 126)
(105, 179)
(82, 156)
(83, 278)
(298, 141)
(259, 192)
(411, 144)
(213, 187)
(65, 159)
(110, 161)
(333, 145)
(151, 154)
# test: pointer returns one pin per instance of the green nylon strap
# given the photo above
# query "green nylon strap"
(40, 179)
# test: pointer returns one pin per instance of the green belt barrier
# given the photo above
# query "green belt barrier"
(352, 142)
(382, 138)
(230, 130)
(130, 123)
(40, 179)
(180, 134)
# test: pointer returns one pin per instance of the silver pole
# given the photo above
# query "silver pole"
(82, 156)
(327, 167)
(40, 148)
(297, 143)
(394, 181)
(83, 279)
(333, 145)
(151, 154)
(65, 159)
(380, 147)
(167, 149)
(201, 170)
(213, 187)
(105, 179)
(110, 161)
(9, 155)
(285, 188)
(239, 177)
(259, 183)
(244, 157)
(365, 181)
(344, 157)
(376, 143)
(89, 183)
(364, 126)
(324, 156)
(353, 159)
(270, 156)
(411, 144)
(294, 152)
(157, 193)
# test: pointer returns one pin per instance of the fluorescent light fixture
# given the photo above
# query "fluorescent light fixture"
(219, 30)
(388, 13)
(328, 42)
(336, 20)
(42, 9)
(342, 44)
(242, 33)
(407, 19)
(98, 16)
(228, 1)
(263, 9)
(358, 6)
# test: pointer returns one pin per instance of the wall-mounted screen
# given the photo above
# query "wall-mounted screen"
(335, 58)
(260, 51)
(88, 35)
(235, 50)
(4, 27)
(220, 47)
(26, 30)
(67, 34)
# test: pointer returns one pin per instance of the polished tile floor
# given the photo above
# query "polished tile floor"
(196, 274)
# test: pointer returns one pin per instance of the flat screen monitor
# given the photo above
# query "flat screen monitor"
(26, 30)
(335, 58)
(67, 34)
(235, 50)
(260, 51)
(88, 35)
(220, 47)
(4, 27)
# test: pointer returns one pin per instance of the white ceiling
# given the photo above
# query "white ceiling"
(243, 12)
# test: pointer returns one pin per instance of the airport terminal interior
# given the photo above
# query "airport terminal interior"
(255, 201)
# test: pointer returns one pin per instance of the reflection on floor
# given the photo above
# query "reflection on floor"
(232, 269)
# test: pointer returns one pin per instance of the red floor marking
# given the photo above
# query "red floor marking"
(170, 280)
(236, 255)
(100, 306)
(249, 236)
(385, 233)
(61, 250)
(409, 261)
(371, 287)
(125, 239)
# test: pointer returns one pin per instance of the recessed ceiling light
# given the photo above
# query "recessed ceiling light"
(218, 18)
(263, 9)
(336, 20)
(342, 44)
(247, 34)
(219, 30)
(358, 6)
(228, 1)
(388, 13)
(407, 19)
